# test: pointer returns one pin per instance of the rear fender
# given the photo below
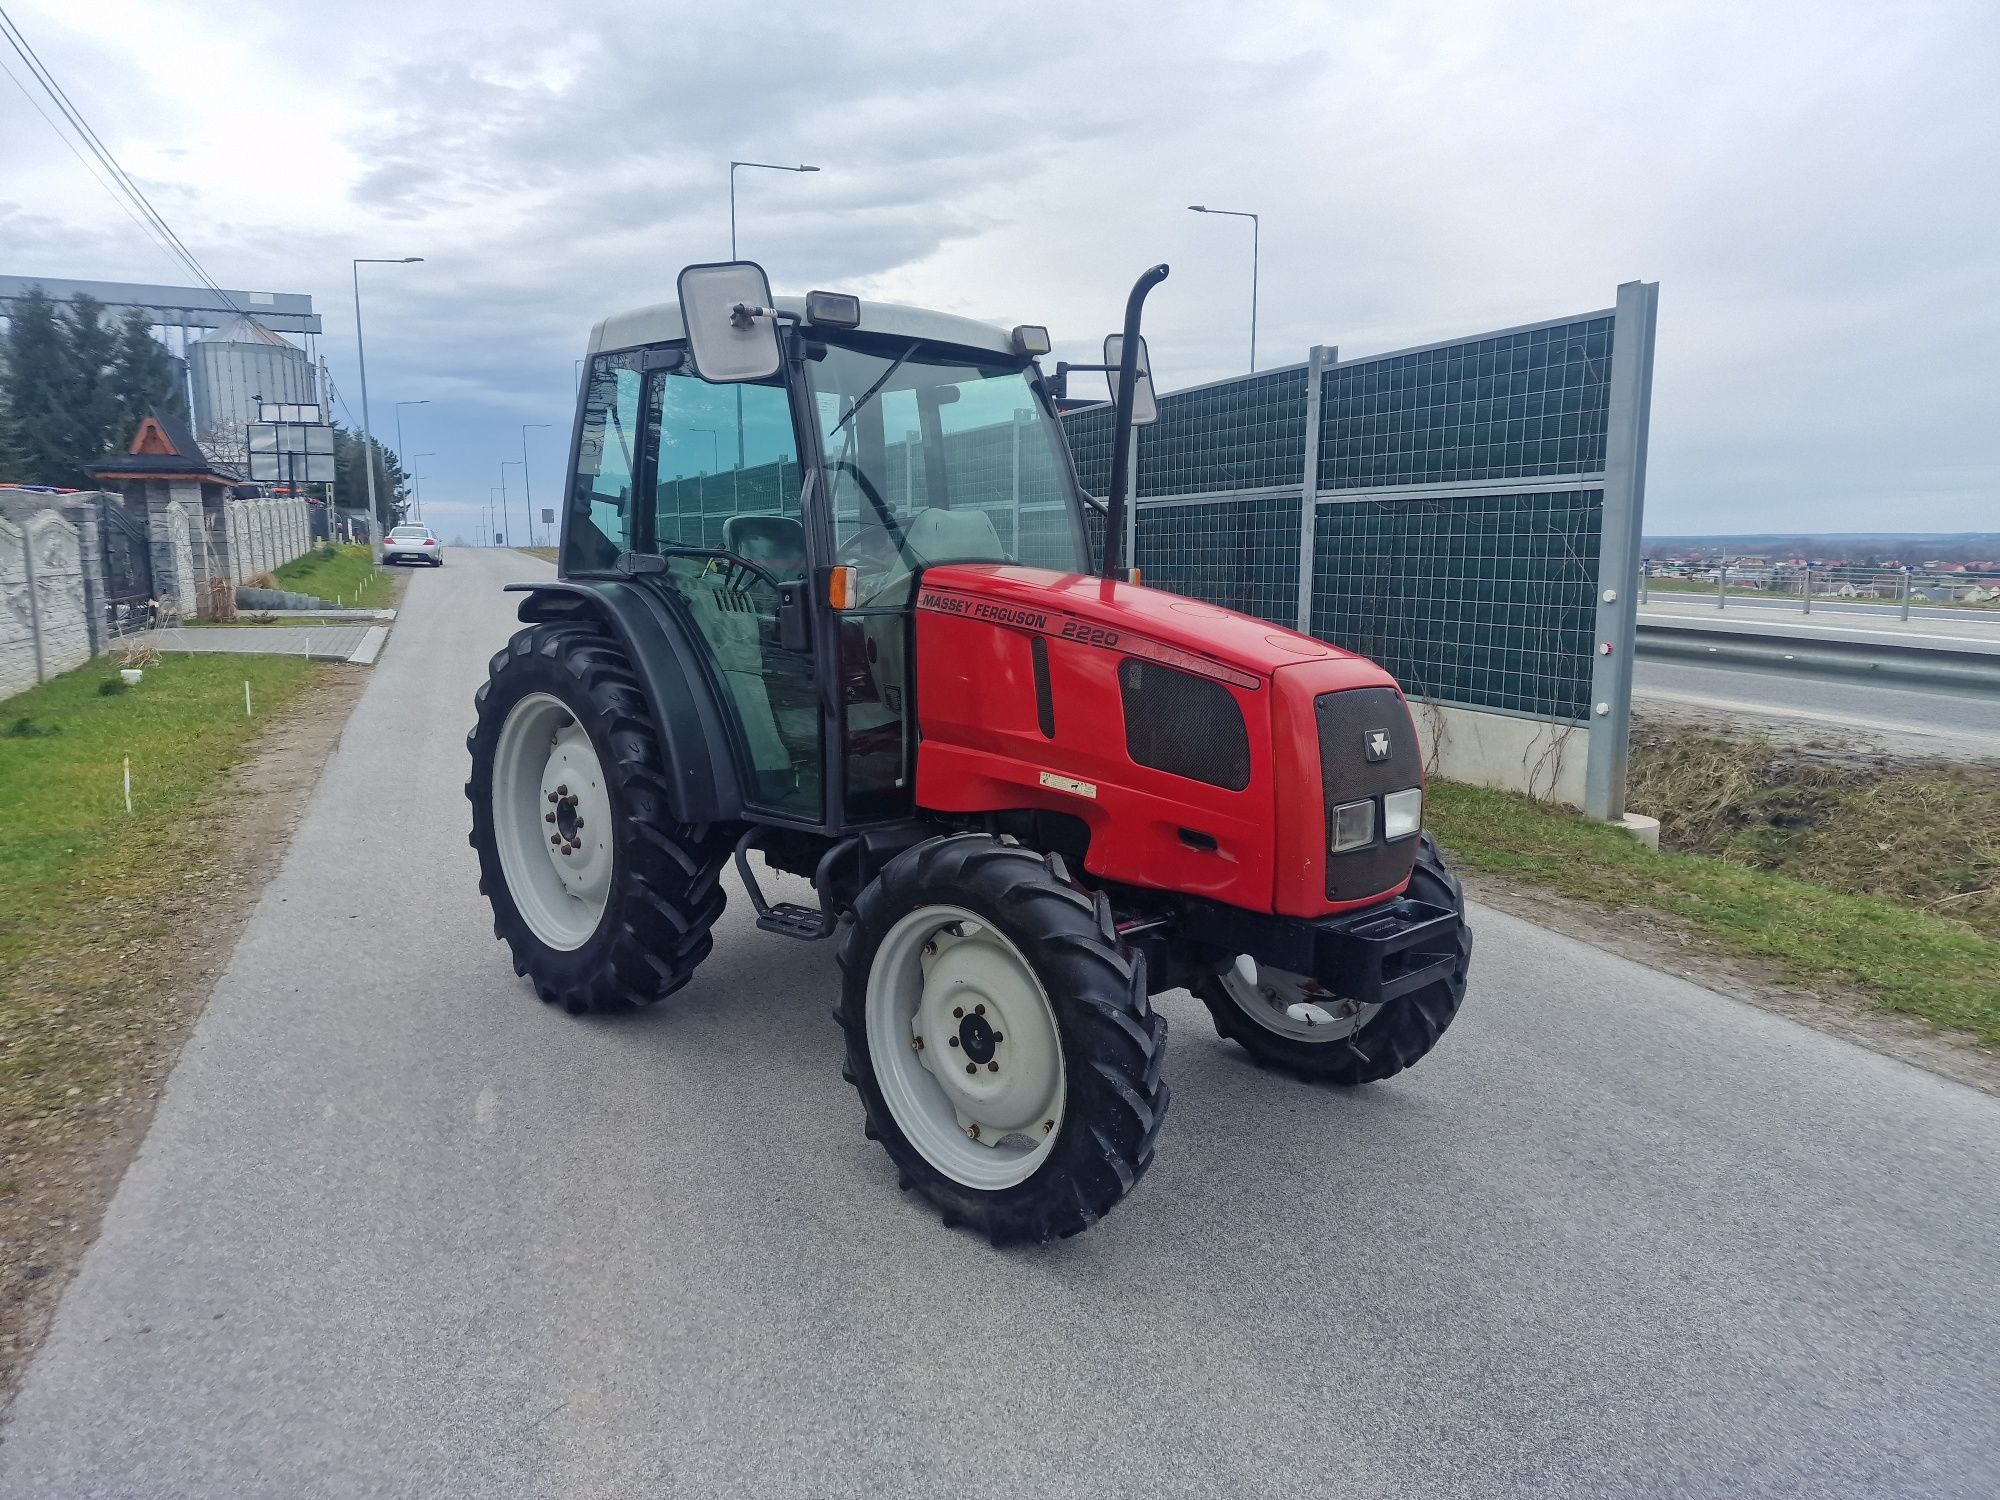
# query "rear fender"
(694, 740)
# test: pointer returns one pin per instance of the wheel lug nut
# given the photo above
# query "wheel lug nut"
(916, 1044)
(548, 817)
(958, 1012)
(973, 1131)
(954, 1041)
(555, 838)
(579, 822)
(998, 1039)
(552, 796)
(562, 791)
(972, 1067)
(568, 850)
(993, 1067)
(979, 1010)
(930, 948)
(1047, 1126)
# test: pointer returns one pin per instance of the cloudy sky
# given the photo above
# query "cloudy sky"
(1812, 185)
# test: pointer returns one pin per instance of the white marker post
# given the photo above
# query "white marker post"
(246, 697)
(128, 783)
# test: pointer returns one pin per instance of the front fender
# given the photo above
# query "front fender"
(694, 739)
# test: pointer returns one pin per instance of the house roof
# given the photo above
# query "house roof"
(162, 448)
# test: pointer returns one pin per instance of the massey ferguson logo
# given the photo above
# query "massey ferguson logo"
(1377, 745)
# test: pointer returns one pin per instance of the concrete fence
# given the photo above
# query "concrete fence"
(79, 570)
(45, 614)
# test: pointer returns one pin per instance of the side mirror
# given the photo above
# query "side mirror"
(1145, 410)
(732, 328)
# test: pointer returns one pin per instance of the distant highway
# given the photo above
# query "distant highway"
(1789, 604)
(1897, 719)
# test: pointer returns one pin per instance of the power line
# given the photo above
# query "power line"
(39, 71)
(96, 176)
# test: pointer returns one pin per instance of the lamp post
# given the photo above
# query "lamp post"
(426, 401)
(361, 359)
(504, 463)
(489, 542)
(417, 479)
(767, 166)
(1256, 233)
(527, 484)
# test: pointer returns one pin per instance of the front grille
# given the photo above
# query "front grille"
(1183, 724)
(1348, 723)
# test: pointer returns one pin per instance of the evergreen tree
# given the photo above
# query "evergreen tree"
(144, 378)
(93, 347)
(350, 480)
(42, 440)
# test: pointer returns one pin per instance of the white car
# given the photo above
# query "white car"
(412, 544)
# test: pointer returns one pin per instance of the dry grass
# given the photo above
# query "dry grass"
(1927, 837)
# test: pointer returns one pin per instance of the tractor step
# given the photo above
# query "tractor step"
(793, 920)
(787, 918)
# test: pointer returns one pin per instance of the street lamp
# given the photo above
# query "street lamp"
(361, 359)
(526, 483)
(1256, 232)
(426, 401)
(768, 166)
(417, 479)
(504, 463)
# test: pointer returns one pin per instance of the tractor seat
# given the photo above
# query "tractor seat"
(937, 535)
(776, 542)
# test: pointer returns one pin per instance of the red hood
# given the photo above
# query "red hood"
(1224, 636)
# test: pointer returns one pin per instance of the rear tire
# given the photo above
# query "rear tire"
(614, 909)
(1387, 1038)
(1072, 1099)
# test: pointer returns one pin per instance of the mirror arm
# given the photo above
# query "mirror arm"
(1121, 446)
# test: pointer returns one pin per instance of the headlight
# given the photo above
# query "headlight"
(1353, 825)
(1402, 813)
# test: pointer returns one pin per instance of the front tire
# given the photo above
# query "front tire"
(1001, 1039)
(604, 899)
(1290, 1023)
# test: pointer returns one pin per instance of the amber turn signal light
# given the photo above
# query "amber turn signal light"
(843, 589)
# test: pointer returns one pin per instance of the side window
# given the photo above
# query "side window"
(601, 496)
(727, 472)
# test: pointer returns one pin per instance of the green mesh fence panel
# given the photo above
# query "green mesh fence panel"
(1482, 600)
(1514, 406)
(1241, 554)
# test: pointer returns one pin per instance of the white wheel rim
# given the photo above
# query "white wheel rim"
(552, 821)
(1293, 1006)
(965, 1047)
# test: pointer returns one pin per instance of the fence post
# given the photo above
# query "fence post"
(34, 600)
(1610, 722)
(1808, 586)
(1721, 584)
(1316, 361)
(1906, 591)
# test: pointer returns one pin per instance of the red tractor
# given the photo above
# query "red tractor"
(826, 595)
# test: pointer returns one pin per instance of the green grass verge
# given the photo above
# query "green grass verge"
(347, 575)
(81, 879)
(546, 554)
(1913, 961)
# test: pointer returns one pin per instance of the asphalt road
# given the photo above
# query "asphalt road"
(1895, 719)
(400, 1230)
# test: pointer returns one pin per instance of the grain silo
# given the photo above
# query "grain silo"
(231, 367)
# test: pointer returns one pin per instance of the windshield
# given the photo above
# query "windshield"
(933, 457)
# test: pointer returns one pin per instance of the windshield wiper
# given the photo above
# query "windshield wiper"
(874, 390)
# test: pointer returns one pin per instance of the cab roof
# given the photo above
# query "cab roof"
(662, 322)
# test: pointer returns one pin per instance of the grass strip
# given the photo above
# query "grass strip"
(81, 879)
(1907, 960)
(344, 575)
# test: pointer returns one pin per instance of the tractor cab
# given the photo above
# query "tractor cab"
(874, 441)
